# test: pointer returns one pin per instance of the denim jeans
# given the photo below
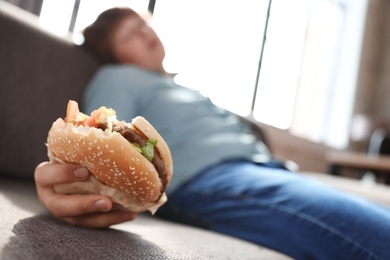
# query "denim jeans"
(285, 211)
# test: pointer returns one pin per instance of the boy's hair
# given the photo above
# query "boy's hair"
(98, 36)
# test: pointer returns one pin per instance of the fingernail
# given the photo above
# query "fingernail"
(101, 205)
(81, 173)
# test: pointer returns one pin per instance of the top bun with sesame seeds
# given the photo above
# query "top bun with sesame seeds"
(129, 162)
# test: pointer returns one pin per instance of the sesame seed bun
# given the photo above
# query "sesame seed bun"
(117, 168)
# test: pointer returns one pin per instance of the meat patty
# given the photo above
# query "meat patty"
(133, 137)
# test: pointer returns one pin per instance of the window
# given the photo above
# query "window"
(328, 71)
(308, 64)
(279, 74)
(308, 69)
(214, 46)
(56, 15)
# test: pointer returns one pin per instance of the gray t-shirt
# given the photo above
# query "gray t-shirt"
(198, 133)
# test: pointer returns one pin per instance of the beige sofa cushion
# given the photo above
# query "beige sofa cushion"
(27, 231)
(376, 192)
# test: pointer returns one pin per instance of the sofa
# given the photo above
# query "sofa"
(39, 73)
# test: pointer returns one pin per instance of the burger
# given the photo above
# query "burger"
(129, 162)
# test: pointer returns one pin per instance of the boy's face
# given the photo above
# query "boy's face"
(135, 42)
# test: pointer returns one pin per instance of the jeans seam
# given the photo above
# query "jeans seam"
(302, 216)
(329, 229)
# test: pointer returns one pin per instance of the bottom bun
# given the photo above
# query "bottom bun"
(122, 200)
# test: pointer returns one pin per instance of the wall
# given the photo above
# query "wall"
(382, 106)
(373, 88)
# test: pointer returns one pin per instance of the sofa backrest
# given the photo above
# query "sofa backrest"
(39, 73)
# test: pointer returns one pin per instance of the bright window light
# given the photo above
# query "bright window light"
(56, 15)
(214, 46)
(280, 69)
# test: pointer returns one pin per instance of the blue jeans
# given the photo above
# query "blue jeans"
(282, 210)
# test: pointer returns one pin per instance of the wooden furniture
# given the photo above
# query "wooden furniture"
(378, 164)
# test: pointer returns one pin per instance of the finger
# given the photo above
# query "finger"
(48, 174)
(101, 220)
(75, 205)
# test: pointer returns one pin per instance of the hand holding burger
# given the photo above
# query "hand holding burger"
(84, 210)
(128, 162)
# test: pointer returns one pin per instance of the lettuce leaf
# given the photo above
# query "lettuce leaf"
(148, 150)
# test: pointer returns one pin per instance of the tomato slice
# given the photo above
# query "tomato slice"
(72, 111)
(74, 115)
(91, 120)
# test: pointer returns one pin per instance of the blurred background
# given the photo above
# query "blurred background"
(315, 68)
